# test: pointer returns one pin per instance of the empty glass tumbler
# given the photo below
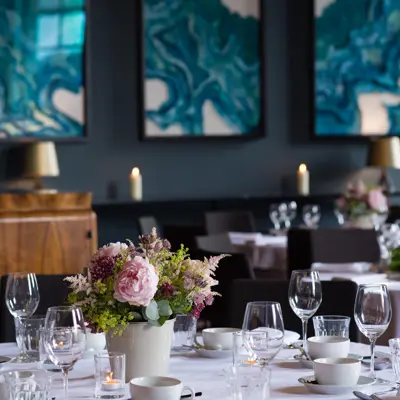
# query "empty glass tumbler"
(394, 345)
(30, 334)
(331, 325)
(248, 382)
(25, 385)
(184, 332)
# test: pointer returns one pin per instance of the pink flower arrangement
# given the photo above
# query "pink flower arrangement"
(360, 200)
(149, 282)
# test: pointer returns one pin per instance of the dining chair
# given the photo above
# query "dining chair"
(333, 246)
(244, 291)
(229, 221)
(53, 292)
(147, 223)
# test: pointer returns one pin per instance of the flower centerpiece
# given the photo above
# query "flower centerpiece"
(132, 293)
(360, 205)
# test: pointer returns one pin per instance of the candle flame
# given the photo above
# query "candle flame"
(109, 377)
(303, 168)
(135, 171)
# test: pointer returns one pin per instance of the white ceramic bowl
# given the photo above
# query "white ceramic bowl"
(218, 338)
(337, 371)
(328, 346)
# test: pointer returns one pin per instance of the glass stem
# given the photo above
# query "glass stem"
(304, 324)
(372, 364)
(65, 382)
(23, 338)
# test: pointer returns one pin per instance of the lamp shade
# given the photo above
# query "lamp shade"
(41, 160)
(384, 152)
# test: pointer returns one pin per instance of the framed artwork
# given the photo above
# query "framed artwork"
(42, 70)
(202, 69)
(356, 68)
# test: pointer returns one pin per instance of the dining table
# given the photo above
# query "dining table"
(206, 375)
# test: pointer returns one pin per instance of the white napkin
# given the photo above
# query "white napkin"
(357, 267)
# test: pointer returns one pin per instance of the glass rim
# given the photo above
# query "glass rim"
(61, 308)
(303, 271)
(110, 354)
(367, 285)
(20, 273)
(260, 302)
(42, 372)
(333, 317)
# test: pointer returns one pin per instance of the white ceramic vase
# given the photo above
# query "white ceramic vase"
(147, 348)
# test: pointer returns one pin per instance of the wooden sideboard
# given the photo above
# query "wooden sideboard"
(53, 233)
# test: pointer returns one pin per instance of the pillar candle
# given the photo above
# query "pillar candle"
(303, 180)
(136, 184)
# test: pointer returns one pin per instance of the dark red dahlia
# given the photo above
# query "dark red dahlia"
(101, 268)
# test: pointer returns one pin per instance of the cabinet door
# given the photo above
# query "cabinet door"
(56, 244)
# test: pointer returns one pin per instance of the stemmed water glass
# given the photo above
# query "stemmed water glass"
(372, 313)
(64, 338)
(305, 297)
(275, 215)
(263, 329)
(22, 299)
(311, 215)
(290, 213)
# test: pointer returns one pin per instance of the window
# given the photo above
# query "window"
(60, 27)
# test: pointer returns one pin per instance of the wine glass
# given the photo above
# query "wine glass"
(22, 299)
(291, 213)
(372, 313)
(311, 215)
(64, 338)
(275, 215)
(263, 329)
(340, 216)
(305, 297)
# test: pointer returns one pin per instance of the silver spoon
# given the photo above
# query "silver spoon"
(364, 396)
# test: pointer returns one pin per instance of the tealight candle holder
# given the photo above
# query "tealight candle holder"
(109, 375)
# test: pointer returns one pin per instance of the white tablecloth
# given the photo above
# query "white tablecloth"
(262, 251)
(205, 375)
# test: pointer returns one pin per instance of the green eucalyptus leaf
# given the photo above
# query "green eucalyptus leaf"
(151, 311)
(154, 322)
(164, 308)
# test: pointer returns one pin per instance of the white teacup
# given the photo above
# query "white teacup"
(95, 341)
(218, 338)
(337, 371)
(328, 347)
(158, 388)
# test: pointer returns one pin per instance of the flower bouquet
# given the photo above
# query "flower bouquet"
(144, 286)
(361, 202)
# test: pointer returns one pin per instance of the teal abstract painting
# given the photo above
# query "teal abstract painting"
(357, 67)
(42, 69)
(203, 68)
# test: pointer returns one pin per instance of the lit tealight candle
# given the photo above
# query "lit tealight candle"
(136, 184)
(110, 384)
(303, 180)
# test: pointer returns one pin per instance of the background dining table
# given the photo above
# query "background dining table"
(207, 376)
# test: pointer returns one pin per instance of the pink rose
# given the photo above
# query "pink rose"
(377, 200)
(136, 283)
(111, 249)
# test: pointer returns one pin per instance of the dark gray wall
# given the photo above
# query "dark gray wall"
(200, 168)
